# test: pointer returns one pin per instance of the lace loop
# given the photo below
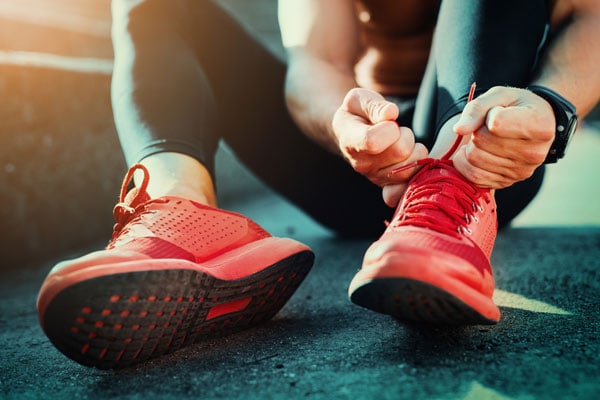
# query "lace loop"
(126, 209)
(442, 202)
(142, 189)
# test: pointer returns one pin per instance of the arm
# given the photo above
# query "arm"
(512, 129)
(322, 41)
(570, 66)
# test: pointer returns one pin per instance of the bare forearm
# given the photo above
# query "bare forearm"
(571, 63)
(314, 91)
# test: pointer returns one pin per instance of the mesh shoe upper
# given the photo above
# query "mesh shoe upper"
(172, 227)
(441, 199)
(443, 217)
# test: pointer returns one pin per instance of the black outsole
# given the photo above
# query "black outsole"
(416, 301)
(115, 321)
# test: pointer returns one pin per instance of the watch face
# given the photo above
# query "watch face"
(571, 131)
(573, 127)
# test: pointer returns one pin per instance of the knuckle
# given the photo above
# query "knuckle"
(543, 129)
(362, 167)
(503, 184)
(538, 157)
(534, 155)
(526, 174)
(352, 98)
(497, 90)
(403, 153)
(373, 107)
(353, 93)
(547, 133)
(475, 175)
(473, 109)
(370, 142)
(496, 121)
(420, 151)
(474, 158)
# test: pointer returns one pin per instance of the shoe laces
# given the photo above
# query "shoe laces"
(133, 204)
(444, 202)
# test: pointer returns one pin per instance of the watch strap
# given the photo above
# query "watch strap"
(565, 115)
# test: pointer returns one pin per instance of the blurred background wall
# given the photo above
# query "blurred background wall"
(60, 162)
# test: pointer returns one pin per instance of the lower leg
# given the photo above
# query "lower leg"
(163, 103)
(491, 43)
(446, 138)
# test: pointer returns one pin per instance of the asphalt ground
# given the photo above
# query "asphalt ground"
(321, 345)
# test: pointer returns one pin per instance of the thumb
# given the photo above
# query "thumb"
(471, 119)
(380, 110)
(370, 105)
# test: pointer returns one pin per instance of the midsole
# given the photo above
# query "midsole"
(434, 271)
(236, 264)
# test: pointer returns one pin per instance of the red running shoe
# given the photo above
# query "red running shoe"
(432, 262)
(175, 272)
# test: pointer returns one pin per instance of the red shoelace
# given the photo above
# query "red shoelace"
(446, 202)
(127, 209)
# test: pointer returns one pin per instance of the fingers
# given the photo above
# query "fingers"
(370, 105)
(379, 137)
(385, 176)
(366, 122)
(511, 112)
(371, 140)
(511, 131)
(393, 193)
(475, 112)
(511, 150)
(488, 170)
(377, 167)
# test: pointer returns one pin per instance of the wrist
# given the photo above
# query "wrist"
(565, 116)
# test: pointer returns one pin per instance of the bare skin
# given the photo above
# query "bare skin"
(176, 174)
(507, 131)
(340, 67)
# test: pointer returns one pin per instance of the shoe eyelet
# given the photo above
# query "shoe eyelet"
(464, 229)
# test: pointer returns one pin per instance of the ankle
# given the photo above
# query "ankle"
(185, 192)
(175, 174)
(446, 137)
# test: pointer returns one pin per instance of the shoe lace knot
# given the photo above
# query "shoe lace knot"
(443, 201)
(132, 204)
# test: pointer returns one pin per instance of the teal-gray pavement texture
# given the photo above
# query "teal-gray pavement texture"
(322, 346)
(56, 203)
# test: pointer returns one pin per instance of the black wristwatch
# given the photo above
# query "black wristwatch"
(566, 121)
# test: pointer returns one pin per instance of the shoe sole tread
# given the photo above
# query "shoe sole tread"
(118, 320)
(416, 301)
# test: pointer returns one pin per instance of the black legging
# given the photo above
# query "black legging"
(187, 74)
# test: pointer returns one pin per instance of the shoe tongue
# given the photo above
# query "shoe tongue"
(437, 185)
(439, 168)
(136, 197)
